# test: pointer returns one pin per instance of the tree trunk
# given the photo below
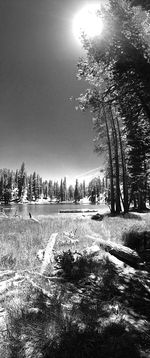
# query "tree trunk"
(125, 188)
(123, 253)
(114, 133)
(110, 163)
(141, 201)
(145, 184)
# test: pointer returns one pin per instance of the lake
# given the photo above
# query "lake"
(49, 209)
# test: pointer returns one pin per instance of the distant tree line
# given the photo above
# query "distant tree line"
(16, 186)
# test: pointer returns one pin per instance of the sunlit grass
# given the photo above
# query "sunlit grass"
(21, 239)
(112, 228)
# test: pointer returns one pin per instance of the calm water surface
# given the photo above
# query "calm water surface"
(48, 209)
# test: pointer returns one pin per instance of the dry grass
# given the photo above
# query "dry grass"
(82, 313)
(21, 239)
(112, 228)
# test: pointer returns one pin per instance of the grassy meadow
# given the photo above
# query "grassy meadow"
(92, 311)
(21, 239)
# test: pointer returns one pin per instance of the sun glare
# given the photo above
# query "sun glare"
(87, 22)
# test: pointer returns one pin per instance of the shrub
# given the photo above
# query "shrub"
(74, 267)
(134, 239)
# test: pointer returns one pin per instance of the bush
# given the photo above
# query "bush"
(74, 267)
(134, 239)
(130, 239)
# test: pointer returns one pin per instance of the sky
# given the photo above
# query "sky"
(38, 123)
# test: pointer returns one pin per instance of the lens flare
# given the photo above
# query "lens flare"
(87, 22)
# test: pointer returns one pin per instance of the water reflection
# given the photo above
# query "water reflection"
(47, 209)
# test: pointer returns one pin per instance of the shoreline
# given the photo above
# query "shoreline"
(49, 203)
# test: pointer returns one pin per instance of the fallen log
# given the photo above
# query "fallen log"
(119, 264)
(48, 257)
(78, 211)
(123, 253)
(39, 288)
(98, 217)
(35, 220)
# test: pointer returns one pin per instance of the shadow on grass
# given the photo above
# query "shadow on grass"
(78, 320)
(130, 216)
(113, 341)
(137, 295)
(46, 335)
(100, 217)
(146, 210)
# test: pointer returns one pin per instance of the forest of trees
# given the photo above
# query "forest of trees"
(16, 186)
(116, 66)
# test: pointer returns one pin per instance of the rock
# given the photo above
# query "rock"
(97, 216)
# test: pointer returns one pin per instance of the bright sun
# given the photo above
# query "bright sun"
(88, 22)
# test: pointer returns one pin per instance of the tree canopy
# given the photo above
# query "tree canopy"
(117, 69)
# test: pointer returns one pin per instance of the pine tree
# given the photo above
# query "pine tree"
(21, 180)
(36, 186)
(40, 186)
(50, 189)
(70, 193)
(45, 189)
(76, 192)
(61, 191)
(56, 190)
(104, 127)
(16, 178)
(117, 65)
(65, 188)
(81, 191)
(1, 186)
(30, 188)
(84, 189)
